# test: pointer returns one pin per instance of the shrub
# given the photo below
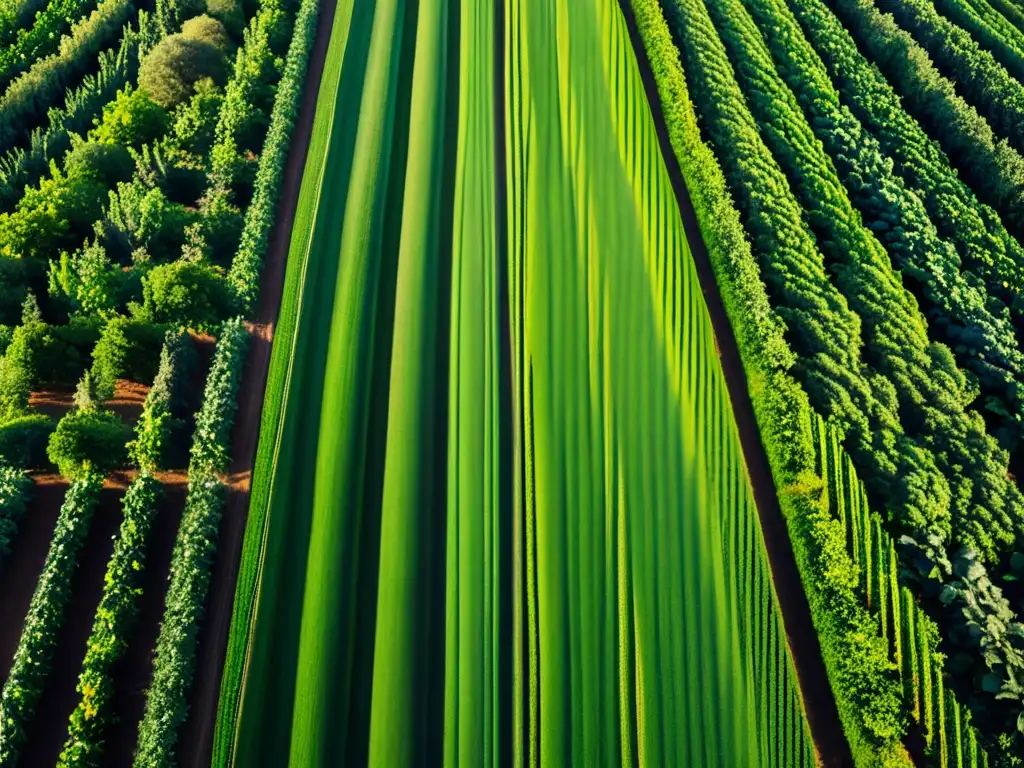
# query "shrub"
(153, 442)
(220, 400)
(23, 441)
(41, 354)
(131, 119)
(170, 71)
(107, 163)
(89, 442)
(6, 334)
(186, 293)
(138, 216)
(128, 349)
(229, 13)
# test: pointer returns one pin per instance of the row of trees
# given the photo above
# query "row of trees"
(990, 29)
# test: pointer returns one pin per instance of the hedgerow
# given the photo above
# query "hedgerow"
(191, 563)
(262, 210)
(110, 630)
(33, 658)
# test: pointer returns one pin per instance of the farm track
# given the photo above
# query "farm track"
(820, 705)
(198, 731)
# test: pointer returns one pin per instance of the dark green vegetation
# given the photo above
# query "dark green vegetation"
(868, 283)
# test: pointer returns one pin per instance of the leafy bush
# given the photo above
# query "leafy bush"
(114, 618)
(107, 163)
(139, 216)
(27, 98)
(186, 293)
(170, 71)
(229, 13)
(14, 491)
(23, 441)
(33, 658)
(131, 119)
(89, 442)
(41, 354)
(128, 349)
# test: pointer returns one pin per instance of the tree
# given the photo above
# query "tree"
(89, 441)
(107, 163)
(132, 119)
(170, 71)
(30, 312)
(186, 293)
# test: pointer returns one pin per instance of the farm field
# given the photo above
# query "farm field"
(511, 382)
(500, 505)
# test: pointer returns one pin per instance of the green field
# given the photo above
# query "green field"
(500, 507)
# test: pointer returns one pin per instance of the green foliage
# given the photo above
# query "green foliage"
(127, 349)
(6, 334)
(858, 671)
(138, 216)
(153, 446)
(170, 71)
(195, 122)
(30, 312)
(85, 394)
(229, 13)
(131, 120)
(15, 486)
(174, 666)
(27, 98)
(187, 293)
(259, 216)
(33, 658)
(53, 216)
(91, 281)
(41, 37)
(42, 354)
(991, 166)
(220, 400)
(107, 163)
(89, 442)
(15, 277)
(21, 167)
(23, 441)
(114, 619)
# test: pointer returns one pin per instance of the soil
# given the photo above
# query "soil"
(196, 743)
(819, 703)
(127, 401)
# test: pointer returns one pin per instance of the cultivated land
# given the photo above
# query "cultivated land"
(495, 334)
(511, 381)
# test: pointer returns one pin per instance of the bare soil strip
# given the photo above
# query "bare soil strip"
(819, 704)
(197, 737)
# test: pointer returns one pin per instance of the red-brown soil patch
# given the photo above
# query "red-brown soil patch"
(127, 401)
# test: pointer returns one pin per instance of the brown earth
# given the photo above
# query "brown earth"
(126, 402)
(196, 741)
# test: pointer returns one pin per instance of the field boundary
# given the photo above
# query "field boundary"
(819, 703)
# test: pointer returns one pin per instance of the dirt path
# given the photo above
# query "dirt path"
(197, 737)
(820, 705)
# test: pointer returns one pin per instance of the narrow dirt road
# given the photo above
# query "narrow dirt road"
(197, 737)
(820, 705)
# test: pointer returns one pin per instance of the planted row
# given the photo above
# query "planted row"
(33, 658)
(192, 560)
(109, 637)
(14, 492)
(40, 38)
